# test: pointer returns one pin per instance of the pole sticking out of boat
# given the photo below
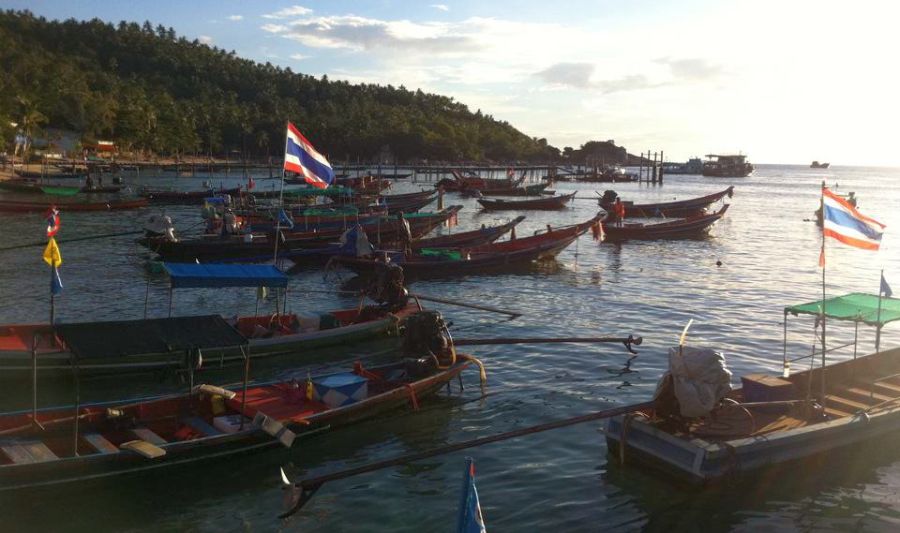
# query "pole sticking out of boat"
(301, 492)
(822, 264)
(514, 314)
(280, 198)
(628, 341)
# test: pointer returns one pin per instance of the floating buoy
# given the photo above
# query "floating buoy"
(718, 262)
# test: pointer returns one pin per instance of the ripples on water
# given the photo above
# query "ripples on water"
(561, 479)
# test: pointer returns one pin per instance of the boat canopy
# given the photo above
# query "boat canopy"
(97, 340)
(193, 275)
(855, 307)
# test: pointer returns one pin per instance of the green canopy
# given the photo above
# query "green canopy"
(856, 307)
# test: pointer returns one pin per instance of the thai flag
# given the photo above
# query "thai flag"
(300, 157)
(470, 519)
(52, 222)
(843, 222)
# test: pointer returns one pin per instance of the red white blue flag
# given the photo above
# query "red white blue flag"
(470, 519)
(52, 222)
(843, 222)
(301, 158)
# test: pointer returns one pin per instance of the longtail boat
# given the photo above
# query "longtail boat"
(773, 422)
(184, 197)
(461, 183)
(256, 247)
(53, 446)
(465, 239)
(268, 335)
(529, 190)
(67, 205)
(676, 209)
(544, 202)
(691, 227)
(478, 259)
(101, 189)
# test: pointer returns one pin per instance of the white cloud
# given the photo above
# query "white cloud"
(716, 84)
(364, 34)
(299, 57)
(441, 7)
(235, 17)
(205, 39)
(293, 11)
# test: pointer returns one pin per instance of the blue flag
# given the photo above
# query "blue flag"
(885, 288)
(56, 285)
(470, 519)
(285, 220)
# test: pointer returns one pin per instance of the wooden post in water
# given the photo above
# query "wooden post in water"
(641, 168)
(661, 159)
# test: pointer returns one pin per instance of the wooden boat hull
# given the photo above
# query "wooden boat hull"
(54, 361)
(10, 206)
(185, 197)
(703, 460)
(262, 248)
(545, 202)
(215, 445)
(680, 209)
(479, 259)
(466, 239)
(530, 190)
(678, 229)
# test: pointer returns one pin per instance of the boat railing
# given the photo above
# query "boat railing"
(816, 352)
(878, 380)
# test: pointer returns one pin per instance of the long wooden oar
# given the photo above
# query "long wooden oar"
(76, 239)
(427, 298)
(302, 492)
(627, 341)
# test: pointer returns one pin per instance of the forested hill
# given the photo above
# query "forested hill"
(148, 88)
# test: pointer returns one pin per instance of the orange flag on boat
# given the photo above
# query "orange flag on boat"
(51, 253)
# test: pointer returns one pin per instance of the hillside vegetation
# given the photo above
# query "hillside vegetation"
(150, 89)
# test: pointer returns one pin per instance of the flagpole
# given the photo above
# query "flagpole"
(878, 326)
(822, 206)
(280, 199)
(52, 296)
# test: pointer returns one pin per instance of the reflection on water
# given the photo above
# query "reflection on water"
(560, 479)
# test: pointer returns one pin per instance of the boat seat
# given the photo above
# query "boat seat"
(99, 443)
(202, 426)
(28, 452)
(148, 435)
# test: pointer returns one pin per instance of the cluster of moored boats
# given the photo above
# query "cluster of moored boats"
(354, 225)
(388, 240)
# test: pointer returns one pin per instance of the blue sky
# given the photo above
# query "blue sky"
(780, 81)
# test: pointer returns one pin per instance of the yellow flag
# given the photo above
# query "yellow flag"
(310, 390)
(51, 253)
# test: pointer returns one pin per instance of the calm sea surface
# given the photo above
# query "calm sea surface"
(561, 480)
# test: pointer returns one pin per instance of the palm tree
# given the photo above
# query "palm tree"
(32, 118)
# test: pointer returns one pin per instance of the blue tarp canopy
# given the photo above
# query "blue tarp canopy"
(193, 275)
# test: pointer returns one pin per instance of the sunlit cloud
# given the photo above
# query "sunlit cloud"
(691, 69)
(293, 11)
(299, 57)
(441, 7)
(205, 39)
(364, 34)
(685, 79)
(576, 75)
(235, 17)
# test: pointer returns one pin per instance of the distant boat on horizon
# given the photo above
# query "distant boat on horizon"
(816, 164)
(727, 166)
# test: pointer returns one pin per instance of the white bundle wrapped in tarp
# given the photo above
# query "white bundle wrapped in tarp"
(699, 378)
(355, 243)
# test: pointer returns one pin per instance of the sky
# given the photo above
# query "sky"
(786, 81)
